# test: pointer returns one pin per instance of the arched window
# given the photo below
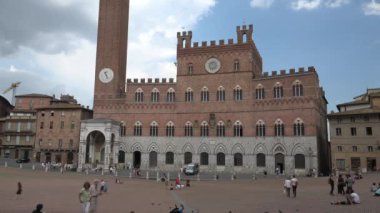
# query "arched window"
(279, 129)
(220, 129)
(204, 95)
(297, 88)
(169, 158)
(204, 129)
(220, 159)
(152, 159)
(299, 161)
(170, 129)
(139, 95)
(122, 129)
(190, 69)
(260, 92)
(238, 93)
(299, 128)
(189, 129)
(236, 65)
(260, 160)
(189, 95)
(153, 129)
(137, 129)
(278, 91)
(170, 95)
(260, 128)
(188, 157)
(155, 95)
(238, 129)
(238, 159)
(220, 94)
(204, 158)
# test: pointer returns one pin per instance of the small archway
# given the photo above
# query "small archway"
(220, 159)
(136, 159)
(279, 161)
(121, 157)
(95, 139)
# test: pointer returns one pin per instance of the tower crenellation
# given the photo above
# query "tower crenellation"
(292, 71)
(244, 36)
(147, 81)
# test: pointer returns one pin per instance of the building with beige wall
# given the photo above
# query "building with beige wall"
(19, 126)
(5, 109)
(222, 111)
(355, 133)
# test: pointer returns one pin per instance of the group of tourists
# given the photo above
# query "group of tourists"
(344, 186)
(291, 183)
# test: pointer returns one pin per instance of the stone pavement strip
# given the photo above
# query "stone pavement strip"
(59, 193)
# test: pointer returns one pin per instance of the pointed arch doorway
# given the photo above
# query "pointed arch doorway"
(279, 161)
(136, 159)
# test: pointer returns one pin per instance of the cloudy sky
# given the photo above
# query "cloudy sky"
(50, 45)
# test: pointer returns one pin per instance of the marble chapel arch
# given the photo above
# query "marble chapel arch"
(222, 111)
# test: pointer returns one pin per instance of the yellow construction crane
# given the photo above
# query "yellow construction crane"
(13, 88)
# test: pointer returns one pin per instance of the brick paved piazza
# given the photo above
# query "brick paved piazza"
(59, 193)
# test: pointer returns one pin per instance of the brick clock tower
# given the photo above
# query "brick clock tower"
(111, 55)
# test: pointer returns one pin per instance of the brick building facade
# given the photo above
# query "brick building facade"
(57, 130)
(5, 109)
(222, 111)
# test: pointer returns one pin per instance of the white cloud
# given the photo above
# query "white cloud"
(306, 4)
(261, 3)
(371, 8)
(336, 3)
(61, 60)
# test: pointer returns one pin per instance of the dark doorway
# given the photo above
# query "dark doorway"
(279, 161)
(136, 159)
(16, 154)
(371, 164)
(70, 157)
(26, 154)
(121, 157)
(48, 157)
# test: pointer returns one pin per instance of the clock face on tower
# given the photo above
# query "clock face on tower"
(212, 65)
(106, 75)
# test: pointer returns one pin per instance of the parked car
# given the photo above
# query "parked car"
(191, 169)
(23, 160)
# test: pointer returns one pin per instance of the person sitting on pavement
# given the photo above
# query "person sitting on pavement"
(351, 198)
(374, 187)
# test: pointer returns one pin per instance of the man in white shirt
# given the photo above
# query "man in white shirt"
(287, 186)
(294, 182)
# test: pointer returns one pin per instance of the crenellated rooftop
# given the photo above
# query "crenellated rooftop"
(292, 71)
(184, 39)
(151, 81)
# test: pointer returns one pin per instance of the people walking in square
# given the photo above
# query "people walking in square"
(94, 193)
(341, 185)
(349, 182)
(19, 190)
(332, 183)
(287, 186)
(294, 182)
(84, 197)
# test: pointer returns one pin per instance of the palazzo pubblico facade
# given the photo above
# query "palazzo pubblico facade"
(222, 111)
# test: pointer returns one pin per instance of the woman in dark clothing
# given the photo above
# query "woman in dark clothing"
(38, 208)
(19, 190)
(341, 184)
